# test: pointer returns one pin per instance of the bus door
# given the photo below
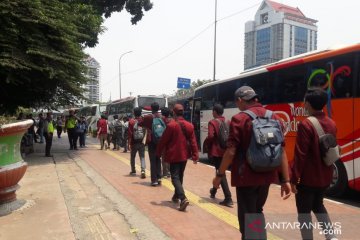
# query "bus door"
(195, 119)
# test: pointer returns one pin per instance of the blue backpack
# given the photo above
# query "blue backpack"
(265, 150)
(158, 128)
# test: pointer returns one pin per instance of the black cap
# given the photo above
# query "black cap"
(246, 93)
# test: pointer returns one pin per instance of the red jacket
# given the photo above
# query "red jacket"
(308, 168)
(239, 136)
(214, 149)
(174, 142)
(131, 129)
(102, 123)
(147, 123)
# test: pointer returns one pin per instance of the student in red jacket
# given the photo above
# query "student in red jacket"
(136, 136)
(179, 141)
(310, 176)
(216, 152)
(252, 187)
(102, 127)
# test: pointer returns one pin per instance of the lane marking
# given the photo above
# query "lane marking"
(209, 207)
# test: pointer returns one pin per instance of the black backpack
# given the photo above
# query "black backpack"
(223, 134)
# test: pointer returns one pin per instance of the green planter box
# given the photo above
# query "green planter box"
(12, 166)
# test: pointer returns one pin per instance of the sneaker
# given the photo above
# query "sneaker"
(175, 199)
(154, 184)
(143, 174)
(184, 203)
(132, 173)
(213, 192)
(227, 202)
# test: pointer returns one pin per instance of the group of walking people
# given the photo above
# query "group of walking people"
(307, 177)
(115, 132)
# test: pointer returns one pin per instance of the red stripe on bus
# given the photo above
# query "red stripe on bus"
(351, 156)
(355, 184)
(285, 65)
(332, 53)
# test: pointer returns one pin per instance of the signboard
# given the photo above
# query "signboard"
(183, 83)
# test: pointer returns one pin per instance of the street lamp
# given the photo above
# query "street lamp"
(120, 70)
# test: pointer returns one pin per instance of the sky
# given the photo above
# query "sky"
(176, 39)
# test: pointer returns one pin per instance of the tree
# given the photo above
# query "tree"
(41, 48)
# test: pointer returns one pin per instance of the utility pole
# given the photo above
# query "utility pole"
(215, 41)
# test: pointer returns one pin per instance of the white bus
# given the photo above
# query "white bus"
(92, 114)
(125, 106)
(282, 86)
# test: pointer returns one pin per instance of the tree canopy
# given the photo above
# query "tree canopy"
(42, 63)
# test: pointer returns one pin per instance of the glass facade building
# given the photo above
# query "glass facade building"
(278, 32)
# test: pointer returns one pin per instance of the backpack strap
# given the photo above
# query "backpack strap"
(182, 129)
(315, 122)
(250, 113)
(268, 114)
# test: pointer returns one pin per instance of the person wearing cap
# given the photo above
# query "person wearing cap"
(180, 144)
(251, 187)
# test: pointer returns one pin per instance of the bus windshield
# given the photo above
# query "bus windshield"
(145, 102)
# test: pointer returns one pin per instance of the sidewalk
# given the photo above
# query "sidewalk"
(63, 198)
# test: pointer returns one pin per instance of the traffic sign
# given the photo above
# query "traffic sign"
(183, 83)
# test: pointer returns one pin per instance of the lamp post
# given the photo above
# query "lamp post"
(120, 70)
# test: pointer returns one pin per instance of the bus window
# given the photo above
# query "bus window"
(145, 102)
(289, 86)
(337, 70)
(226, 94)
(260, 84)
(208, 97)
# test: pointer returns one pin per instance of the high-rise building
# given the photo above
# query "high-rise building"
(92, 86)
(278, 32)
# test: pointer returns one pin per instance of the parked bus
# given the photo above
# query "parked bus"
(92, 114)
(125, 106)
(282, 86)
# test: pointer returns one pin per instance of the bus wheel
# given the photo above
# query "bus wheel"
(339, 182)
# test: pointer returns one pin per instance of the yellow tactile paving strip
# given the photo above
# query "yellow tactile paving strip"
(209, 207)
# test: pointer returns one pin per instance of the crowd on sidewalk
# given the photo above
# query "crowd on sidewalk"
(251, 145)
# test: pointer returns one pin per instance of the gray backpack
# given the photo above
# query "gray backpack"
(329, 149)
(138, 131)
(265, 150)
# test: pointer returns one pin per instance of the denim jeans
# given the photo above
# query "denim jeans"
(177, 177)
(140, 148)
(155, 163)
(223, 183)
(41, 134)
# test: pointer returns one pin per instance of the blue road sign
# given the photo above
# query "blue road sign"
(183, 83)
